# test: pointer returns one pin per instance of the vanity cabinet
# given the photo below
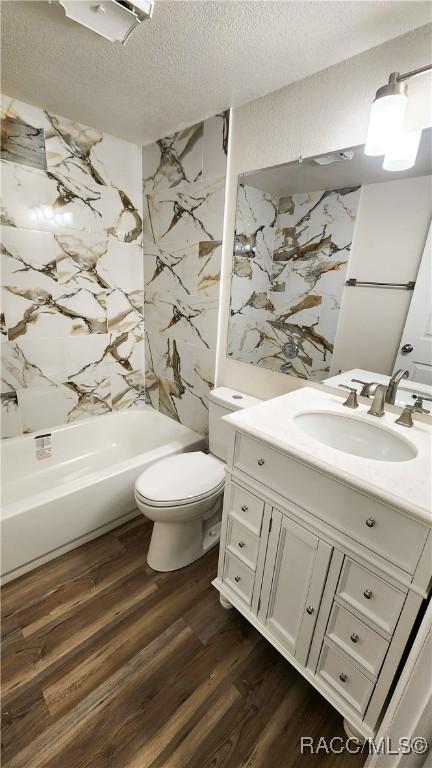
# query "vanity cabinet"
(293, 582)
(331, 576)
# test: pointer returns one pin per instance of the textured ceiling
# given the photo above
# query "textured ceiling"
(191, 60)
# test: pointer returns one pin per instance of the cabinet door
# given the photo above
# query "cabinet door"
(294, 577)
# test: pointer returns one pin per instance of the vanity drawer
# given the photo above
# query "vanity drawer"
(345, 679)
(370, 595)
(382, 529)
(246, 507)
(242, 542)
(238, 577)
(365, 646)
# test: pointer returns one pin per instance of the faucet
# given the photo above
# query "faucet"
(368, 387)
(393, 385)
(377, 407)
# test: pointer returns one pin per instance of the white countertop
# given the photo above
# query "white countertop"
(402, 484)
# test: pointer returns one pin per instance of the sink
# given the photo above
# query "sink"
(351, 435)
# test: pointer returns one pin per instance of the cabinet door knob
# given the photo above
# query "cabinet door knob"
(370, 522)
(343, 677)
(355, 637)
(261, 462)
(368, 594)
(310, 610)
(241, 544)
(237, 578)
(245, 507)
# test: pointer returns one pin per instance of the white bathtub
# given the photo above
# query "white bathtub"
(84, 488)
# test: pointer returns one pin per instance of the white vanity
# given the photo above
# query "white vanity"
(327, 550)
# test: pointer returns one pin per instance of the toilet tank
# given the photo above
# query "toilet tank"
(223, 401)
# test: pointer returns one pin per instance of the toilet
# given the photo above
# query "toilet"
(182, 494)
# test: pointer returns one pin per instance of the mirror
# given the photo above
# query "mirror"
(331, 270)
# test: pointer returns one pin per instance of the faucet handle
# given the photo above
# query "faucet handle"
(377, 407)
(368, 387)
(418, 405)
(351, 401)
(406, 417)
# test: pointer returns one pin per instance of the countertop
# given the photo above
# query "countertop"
(405, 485)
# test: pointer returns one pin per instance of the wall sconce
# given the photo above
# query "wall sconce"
(386, 135)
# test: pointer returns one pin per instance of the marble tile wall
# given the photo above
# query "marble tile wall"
(286, 292)
(72, 322)
(184, 194)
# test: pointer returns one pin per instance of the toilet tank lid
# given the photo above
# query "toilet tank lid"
(231, 399)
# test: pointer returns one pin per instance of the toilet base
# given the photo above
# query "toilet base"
(175, 545)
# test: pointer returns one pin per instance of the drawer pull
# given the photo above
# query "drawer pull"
(244, 508)
(367, 594)
(370, 522)
(343, 677)
(237, 579)
(261, 462)
(241, 544)
(355, 637)
(310, 610)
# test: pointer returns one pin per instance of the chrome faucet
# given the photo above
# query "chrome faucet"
(393, 385)
(351, 401)
(377, 407)
(368, 387)
(406, 417)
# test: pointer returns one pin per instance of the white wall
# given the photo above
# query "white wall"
(389, 237)
(325, 112)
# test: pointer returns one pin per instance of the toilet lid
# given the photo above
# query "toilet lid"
(184, 477)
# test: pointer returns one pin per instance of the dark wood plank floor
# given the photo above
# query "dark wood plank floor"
(107, 664)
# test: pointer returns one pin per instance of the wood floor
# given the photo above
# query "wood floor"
(107, 664)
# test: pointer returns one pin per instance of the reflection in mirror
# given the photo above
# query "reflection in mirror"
(331, 269)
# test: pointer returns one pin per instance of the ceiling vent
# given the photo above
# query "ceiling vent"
(112, 19)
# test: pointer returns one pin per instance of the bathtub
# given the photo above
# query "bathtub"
(78, 482)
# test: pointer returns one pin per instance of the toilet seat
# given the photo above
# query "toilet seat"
(182, 479)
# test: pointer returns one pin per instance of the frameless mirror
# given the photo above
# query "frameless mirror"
(331, 271)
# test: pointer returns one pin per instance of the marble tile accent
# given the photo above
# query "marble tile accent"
(30, 363)
(285, 299)
(32, 199)
(184, 190)
(63, 404)
(128, 390)
(185, 380)
(185, 215)
(22, 143)
(174, 160)
(10, 415)
(72, 271)
(215, 146)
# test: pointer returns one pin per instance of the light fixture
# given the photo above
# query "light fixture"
(112, 19)
(402, 153)
(387, 115)
(386, 134)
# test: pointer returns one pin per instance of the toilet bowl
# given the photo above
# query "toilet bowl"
(182, 494)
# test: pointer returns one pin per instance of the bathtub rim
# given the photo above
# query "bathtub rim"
(187, 440)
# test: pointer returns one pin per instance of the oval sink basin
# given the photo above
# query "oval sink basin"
(359, 438)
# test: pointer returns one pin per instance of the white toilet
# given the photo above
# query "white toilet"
(183, 493)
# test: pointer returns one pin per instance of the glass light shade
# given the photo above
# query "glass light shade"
(402, 151)
(386, 120)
